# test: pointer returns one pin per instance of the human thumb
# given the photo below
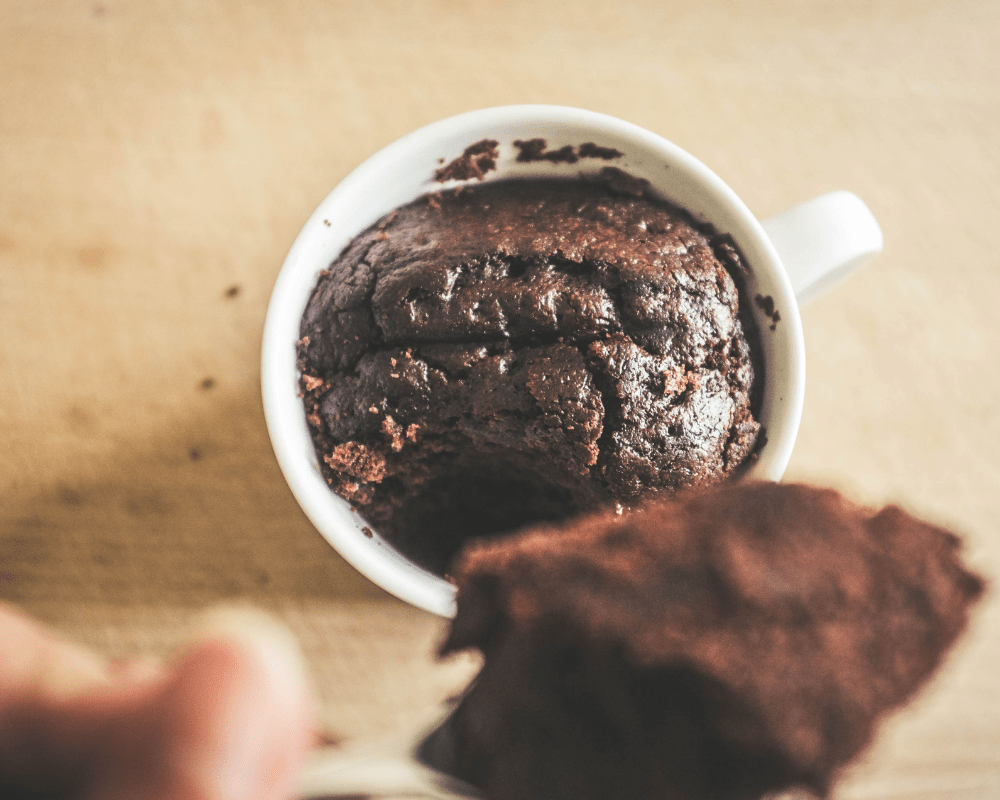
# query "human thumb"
(230, 721)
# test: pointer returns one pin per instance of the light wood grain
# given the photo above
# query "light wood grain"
(154, 155)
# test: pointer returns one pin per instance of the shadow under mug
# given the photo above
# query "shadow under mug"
(792, 257)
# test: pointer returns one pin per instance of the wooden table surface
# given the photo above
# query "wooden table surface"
(158, 158)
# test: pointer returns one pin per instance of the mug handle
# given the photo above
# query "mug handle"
(823, 240)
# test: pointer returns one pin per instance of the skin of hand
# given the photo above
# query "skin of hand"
(230, 718)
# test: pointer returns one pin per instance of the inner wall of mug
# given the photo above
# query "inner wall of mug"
(402, 172)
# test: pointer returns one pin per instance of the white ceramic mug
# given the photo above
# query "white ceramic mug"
(792, 257)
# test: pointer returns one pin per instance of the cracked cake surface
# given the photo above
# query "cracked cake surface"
(516, 351)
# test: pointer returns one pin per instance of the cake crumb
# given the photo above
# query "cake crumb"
(592, 150)
(677, 381)
(358, 461)
(476, 160)
(394, 431)
(535, 150)
(621, 182)
(766, 304)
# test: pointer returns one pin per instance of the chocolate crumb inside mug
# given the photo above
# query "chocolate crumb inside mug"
(792, 257)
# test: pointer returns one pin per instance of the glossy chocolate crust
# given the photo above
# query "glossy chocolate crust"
(741, 641)
(524, 350)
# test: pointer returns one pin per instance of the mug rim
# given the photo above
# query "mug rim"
(346, 530)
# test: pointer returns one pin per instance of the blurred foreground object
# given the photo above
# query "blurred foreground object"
(727, 644)
(228, 719)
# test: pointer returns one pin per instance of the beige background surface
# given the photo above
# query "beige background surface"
(158, 158)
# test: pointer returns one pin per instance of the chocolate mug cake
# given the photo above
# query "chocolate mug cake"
(523, 350)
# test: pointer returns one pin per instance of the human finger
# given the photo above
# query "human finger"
(231, 720)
